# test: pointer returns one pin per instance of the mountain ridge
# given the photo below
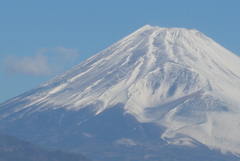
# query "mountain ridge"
(13, 149)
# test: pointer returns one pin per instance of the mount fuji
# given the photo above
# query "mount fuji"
(158, 88)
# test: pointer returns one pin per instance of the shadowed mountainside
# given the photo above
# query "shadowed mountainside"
(13, 149)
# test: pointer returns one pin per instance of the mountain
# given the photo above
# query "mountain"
(156, 88)
(13, 149)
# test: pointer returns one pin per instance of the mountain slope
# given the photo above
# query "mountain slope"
(178, 80)
(12, 149)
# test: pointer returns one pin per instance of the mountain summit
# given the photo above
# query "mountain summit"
(176, 82)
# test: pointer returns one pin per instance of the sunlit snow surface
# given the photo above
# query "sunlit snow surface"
(175, 77)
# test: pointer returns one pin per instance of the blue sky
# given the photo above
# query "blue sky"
(40, 39)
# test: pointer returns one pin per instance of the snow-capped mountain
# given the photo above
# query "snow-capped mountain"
(176, 79)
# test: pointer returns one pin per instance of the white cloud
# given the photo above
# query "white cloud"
(46, 61)
(37, 65)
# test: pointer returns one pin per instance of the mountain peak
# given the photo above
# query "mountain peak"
(172, 29)
(175, 77)
(170, 34)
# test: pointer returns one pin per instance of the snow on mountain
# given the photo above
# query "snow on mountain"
(175, 77)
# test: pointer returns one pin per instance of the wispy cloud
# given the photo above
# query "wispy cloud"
(46, 61)
(37, 65)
